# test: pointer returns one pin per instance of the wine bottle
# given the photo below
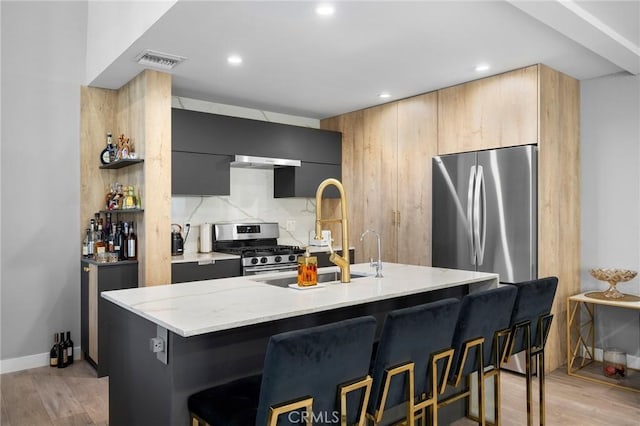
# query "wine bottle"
(53, 354)
(105, 155)
(132, 244)
(118, 242)
(91, 242)
(85, 244)
(125, 237)
(69, 348)
(62, 353)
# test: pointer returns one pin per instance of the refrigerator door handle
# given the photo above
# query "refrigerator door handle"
(480, 237)
(470, 221)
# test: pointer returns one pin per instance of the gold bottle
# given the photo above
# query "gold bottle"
(307, 269)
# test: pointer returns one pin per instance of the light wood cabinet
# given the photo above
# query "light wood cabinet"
(386, 170)
(417, 144)
(493, 112)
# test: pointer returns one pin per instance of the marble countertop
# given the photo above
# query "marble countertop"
(200, 307)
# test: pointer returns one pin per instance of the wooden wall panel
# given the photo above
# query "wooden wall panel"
(351, 126)
(417, 144)
(380, 179)
(144, 115)
(157, 178)
(141, 110)
(97, 117)
(559, 198)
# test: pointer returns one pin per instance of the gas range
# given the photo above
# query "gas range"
(256, 244)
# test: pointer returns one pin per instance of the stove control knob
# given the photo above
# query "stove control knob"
(254, 260)
(292, 258)
(263, 260)
(278, 259)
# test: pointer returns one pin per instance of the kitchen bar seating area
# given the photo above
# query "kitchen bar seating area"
(199, 368)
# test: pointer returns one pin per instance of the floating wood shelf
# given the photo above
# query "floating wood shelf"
(121, 163)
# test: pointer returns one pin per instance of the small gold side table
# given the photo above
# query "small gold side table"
(581, 362)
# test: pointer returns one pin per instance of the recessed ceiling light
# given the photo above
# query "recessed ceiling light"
(482, 67)
(384, 95)
(325, 10)
(234, 60)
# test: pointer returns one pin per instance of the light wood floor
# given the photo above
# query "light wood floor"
(74, 396)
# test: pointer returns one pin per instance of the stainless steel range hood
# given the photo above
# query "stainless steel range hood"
(249, 162)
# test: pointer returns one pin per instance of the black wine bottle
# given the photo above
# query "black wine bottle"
(69, 348)
(53, 354)
(62, 352)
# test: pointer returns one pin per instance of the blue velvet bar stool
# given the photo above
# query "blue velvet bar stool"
(530, 324)
(316, 373)
(479, 342)
(413, 343)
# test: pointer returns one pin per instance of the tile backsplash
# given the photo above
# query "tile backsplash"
(251, 200)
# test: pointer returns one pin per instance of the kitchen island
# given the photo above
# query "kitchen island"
(217, 330)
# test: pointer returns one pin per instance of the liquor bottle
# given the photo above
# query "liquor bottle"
(53, 354)
(111, 241)
(125, 235)
(69, 348)
(85, 244)
(108, 226)
(100, 244)
(129, 199)
(132, 244)
(105, 155)
(112, 148)
(62, 352)
(118, 242)
(91, 243)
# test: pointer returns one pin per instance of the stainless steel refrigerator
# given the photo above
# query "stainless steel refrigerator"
(485, 212)
(485, 215)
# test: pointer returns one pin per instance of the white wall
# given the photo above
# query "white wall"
(610, 137)
(113, 26)
(43, 59)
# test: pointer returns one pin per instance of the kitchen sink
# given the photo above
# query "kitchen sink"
(324, 277)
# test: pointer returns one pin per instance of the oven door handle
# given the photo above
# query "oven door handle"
(254, 270)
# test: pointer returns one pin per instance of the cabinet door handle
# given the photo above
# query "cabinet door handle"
(86, 268)
(393, 218)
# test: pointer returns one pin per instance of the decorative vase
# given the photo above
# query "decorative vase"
(613, 277)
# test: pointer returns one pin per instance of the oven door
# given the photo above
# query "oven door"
(268, 269)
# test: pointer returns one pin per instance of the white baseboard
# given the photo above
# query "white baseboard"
(30, 361)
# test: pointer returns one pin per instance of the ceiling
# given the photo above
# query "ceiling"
(296, 62)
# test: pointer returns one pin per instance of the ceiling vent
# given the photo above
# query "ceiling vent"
(158, 60)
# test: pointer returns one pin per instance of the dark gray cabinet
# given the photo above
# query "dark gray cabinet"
(194, 131)
(303, 181)
(192, 271)
(94, 322)
(195, 173)
(203, 144)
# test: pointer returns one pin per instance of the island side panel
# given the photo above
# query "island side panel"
(140, 386)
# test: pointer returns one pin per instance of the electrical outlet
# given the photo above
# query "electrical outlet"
(156, 344)
(291, 225)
